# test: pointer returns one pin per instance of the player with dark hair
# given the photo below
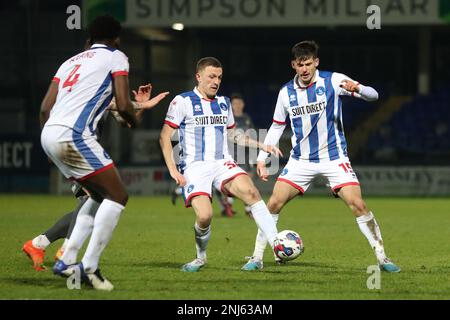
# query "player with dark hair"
(312, 101)
(79, 94)
(204, 120)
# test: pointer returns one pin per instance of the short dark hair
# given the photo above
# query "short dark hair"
(208, 62)
(305, 50)
(236, 96)
(104, 28)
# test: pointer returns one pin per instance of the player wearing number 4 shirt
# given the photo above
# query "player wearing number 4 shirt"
(312, 102)
(78, 96)
(204, 122)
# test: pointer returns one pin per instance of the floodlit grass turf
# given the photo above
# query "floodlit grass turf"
(154, 238)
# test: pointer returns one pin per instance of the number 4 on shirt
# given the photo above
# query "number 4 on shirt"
(72, 78)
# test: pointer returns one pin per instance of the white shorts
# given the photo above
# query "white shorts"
(77, 157)
(300, 173)
(202, 175)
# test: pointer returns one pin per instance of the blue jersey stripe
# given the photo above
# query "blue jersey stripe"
(182, 138)
(196, 104)
(197, 110)
(86, 152)
(332, 147)
(341, 128)
(219, 142)
(99, 111)
(203, 143)
(228, 102)
(80, 125)
(314, 134)
(314, 140)
(297, 123)
(215, 108)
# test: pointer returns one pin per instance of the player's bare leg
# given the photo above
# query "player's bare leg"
(202, 228)
(351, 195)
(243, 188)
(281, 195)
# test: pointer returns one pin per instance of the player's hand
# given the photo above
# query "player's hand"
(154, 101)
(261, 170)
(179, 178)
(350, 86)
(273, 150)
(143, 94)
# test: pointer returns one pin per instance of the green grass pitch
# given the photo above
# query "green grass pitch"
(154, 238)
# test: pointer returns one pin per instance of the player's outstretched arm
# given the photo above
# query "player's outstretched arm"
(273, 137)
(358, 90)
(240, 138)
(143, 101)
(167, 150)
(48, 102)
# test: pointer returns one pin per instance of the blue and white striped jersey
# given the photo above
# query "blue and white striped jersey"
(202, 126)
(85, 88)
(315, 114)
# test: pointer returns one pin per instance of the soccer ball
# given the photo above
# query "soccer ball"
(288, 245)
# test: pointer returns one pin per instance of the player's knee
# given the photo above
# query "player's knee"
(357, 205)
(204, 218)
(252, 194)
(273, 207)
(275, 204)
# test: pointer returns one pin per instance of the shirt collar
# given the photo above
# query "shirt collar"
(98, 45)
(297, 82)
(201, 96)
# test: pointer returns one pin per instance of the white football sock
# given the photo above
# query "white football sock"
(264, 221)
(201, 240)
(41, 242)
(64, 245)
(369, 227)
(105, 222)
(230, 200)
(261, 241)
(81, 230)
